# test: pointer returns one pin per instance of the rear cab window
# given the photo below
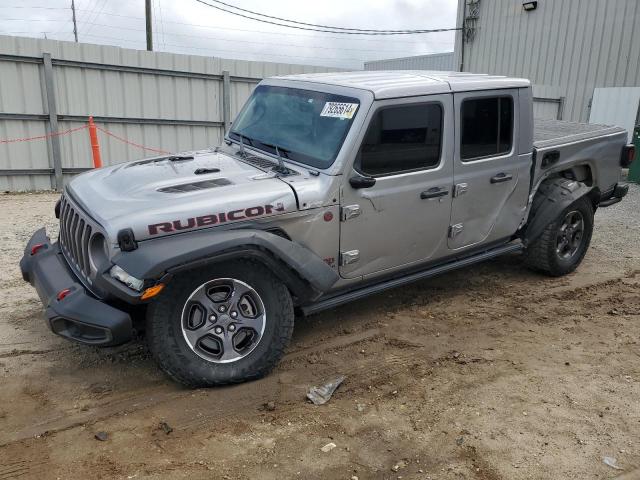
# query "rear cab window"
(402, 139)
(486, 127)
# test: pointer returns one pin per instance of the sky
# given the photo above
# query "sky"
(186, 26)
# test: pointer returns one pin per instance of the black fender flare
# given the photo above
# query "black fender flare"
(304, 273)
(551, 198)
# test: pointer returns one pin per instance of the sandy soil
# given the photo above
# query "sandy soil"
(488, 373)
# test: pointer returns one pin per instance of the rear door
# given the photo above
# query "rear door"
(490, 178)
(403, 218)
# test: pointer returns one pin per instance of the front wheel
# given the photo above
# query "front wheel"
(226, 324)
(564, 242)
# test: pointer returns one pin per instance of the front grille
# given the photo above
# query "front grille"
(75, 235)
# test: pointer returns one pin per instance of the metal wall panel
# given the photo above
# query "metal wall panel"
(573, 46)
(169, 103)
(436, 61)
(618, 106)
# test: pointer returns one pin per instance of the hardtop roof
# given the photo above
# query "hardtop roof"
(405, 83)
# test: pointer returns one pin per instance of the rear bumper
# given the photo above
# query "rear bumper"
(618, 193)
(79, 316)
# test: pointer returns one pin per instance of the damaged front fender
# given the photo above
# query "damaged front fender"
(306, 274)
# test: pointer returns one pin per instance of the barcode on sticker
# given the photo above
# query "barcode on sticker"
(339, 110)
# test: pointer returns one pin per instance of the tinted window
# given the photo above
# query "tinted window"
(487, 127)
(400, 139)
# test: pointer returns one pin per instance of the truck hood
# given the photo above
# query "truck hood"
(168, 195)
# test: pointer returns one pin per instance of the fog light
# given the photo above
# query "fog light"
(122, 276)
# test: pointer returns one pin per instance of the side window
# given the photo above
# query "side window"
(401, 139)
(487, 127)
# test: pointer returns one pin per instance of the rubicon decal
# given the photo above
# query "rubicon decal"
(215, 219)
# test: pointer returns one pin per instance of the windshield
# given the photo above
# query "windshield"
(306, 126)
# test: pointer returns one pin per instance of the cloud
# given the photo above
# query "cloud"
(186, 26)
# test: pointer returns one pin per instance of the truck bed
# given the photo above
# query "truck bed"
(552, 133)
(595, 149)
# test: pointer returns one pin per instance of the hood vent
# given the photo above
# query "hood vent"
(196, 186)
(264, 164)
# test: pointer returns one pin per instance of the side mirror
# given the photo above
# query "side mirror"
(359, 181)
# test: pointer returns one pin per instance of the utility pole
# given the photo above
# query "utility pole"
(148, 17)
(75, 25)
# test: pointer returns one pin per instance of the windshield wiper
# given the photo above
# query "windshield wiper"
(242, 138)
(280, 168)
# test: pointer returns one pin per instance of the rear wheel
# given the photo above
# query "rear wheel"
(564, 242)
(224, 325)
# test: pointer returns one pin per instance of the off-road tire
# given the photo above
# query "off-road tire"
(541, 255)
(174, 355)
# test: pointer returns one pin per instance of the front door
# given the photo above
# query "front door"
(491, 179)
(403, 218)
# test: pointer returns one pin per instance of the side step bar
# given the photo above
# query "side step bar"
(350, 296)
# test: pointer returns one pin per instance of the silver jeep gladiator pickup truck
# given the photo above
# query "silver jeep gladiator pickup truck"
(328, 188)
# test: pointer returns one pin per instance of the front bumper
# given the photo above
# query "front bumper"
(79, 316)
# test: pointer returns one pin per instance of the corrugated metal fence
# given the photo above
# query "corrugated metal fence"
(164, 101)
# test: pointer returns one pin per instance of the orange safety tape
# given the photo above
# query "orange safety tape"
(107, 132)
(42, 137)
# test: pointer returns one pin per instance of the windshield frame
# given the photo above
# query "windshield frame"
(347, 94)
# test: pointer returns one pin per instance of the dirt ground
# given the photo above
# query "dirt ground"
(488, 373)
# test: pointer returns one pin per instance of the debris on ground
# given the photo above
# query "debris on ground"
(568, 316)
(102, 436)
(612, 462)
(165, 427)
(328, 447)
(322, 394)
(269, 406)
(401, 464)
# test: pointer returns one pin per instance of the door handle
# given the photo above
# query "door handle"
(434, 192)
(501, 177)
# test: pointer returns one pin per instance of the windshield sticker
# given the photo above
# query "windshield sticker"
(339, 110)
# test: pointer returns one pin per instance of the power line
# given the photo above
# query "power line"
(88, 8)
(104, 4)
(259, 43)
(404, 31)
(382, 32)
(191, 47)
(290, 34)
(33, 20)
(161, 21)
(34, 7)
